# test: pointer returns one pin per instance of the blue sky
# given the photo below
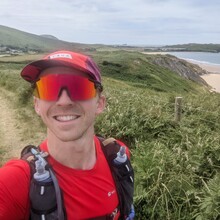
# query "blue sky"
(134, 22)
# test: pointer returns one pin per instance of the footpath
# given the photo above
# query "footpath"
(14, 134)
(11, 143)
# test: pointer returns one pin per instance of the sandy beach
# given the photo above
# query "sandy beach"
(213, 78)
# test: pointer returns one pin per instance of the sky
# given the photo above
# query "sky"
(132, 22)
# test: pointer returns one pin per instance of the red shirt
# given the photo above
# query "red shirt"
(87, 193)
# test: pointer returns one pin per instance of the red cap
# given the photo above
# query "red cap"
(78, 61)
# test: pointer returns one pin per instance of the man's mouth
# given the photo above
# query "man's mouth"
(65, 118)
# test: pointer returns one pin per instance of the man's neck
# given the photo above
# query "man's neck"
(77, 154)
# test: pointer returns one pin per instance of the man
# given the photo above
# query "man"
(68, 98)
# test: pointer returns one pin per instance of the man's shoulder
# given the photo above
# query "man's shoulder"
(14, 169)
(109, 142)
(14, 189)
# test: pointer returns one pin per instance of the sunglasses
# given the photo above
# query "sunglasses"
(50, 87)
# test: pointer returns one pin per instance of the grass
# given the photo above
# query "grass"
(176, 164)
(1, 149)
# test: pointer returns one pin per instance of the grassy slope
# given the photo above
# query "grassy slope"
(19, 39)
(138, 70)
(176, 165)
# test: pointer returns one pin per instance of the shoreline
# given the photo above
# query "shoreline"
(211, 68)
(213, 76)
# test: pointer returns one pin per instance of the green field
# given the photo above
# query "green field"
(176, 164)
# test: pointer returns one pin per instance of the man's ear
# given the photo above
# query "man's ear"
(100, 104)
(36, 105)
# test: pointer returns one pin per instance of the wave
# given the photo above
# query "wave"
(199, 57)
(199, 61)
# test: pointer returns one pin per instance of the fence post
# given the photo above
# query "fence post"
(178, 108)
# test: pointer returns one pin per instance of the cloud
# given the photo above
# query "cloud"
(125, 21)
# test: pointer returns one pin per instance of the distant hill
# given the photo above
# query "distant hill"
(195, 47)
(192, 47)
(11, 38)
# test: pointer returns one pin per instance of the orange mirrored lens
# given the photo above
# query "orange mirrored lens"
(49, 87)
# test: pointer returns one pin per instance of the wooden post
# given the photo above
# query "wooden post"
(178, 108)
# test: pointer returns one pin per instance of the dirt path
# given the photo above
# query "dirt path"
(11, 143)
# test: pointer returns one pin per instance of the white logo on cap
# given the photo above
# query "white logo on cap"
(61, 55)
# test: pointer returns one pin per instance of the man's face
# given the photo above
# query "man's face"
(66, 119)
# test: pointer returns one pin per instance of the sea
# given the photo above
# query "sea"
(202, 57)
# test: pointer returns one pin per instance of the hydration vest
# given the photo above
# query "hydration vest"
(46, 196)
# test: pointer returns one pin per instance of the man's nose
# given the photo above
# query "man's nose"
(64, 98)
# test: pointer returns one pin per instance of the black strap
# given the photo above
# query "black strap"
(56, 199)
(123, 175)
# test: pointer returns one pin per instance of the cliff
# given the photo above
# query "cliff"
(181, 67)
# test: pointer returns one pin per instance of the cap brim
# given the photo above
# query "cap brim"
(32, 71)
